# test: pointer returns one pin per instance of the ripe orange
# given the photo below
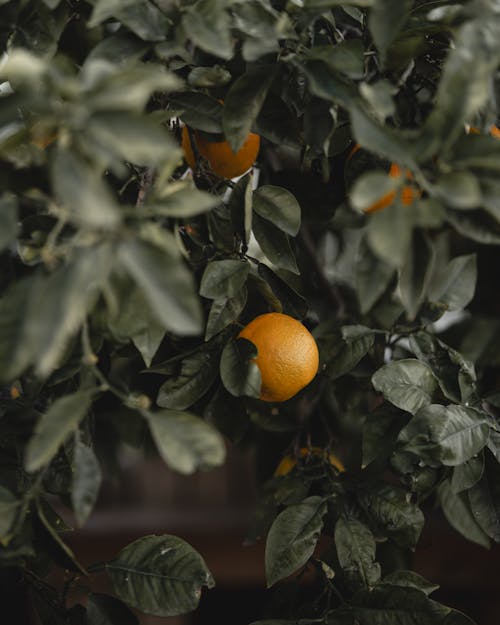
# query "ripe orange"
(223, 161)
(494, 131)
(288, 462)
(408, 193)
(287, 357)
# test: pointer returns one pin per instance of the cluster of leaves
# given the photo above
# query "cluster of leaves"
(124, 284)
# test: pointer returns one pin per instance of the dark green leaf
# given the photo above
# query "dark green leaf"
(293, 537)
(8, 220)
(62, 418)
(240, 375)
(484, 499)
(458, 512)
(207, 24)
(343, 353)
(345, 57)
(106, 610)
(9, 510)
(243, 103)
(380, 432)
(459, 189)
(180, 199)
(390, 233)
(275, 244)
(165, 282)
(467, 474)
(204, 77)
(355, 546)
(388, 507)
(223, 278)
(240, 207)
(409, 579)
(371, 188)
(143, 18)
(224, 311)
(373, 277)
(186, 442)
(86, 481)
(159, 575)
(278, 206)
(198, 110)
(197, 374)
(292, 303)
(385, 20)
(408, 384)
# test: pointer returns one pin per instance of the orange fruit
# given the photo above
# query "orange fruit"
(408, 193)
(288, 462)
(287, 357)
(494, 131)
(221, 158)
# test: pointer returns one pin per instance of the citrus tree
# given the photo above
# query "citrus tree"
(176, 306)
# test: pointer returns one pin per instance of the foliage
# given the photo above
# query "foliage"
(124, 284)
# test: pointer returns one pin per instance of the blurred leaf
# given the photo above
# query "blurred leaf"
(86, 481)
(106, 610)
(380, 432)
(390, 233)
(459, 515)
(197, 374)
(207, 24)
(223, 278)
(275, 244)
(293, 537)
(416, 273)
(186, 442)
(224, 311)
(455, 284)
(8, 220)
(484, 499)
(388, 507)
(205, 77)
(159, 575)
(243, 102)
(373, 276)
(346, 57)
(379, 96)
(467, 474)
(62, 418)
(475, 225)
(240, 207)
(143, 18)
(198, 110)
(450, 434)
(355, 546)
(240, 375)
(9, 510)
(408, 384)
(83, 192)
(278, 206)
(292, 303)
(370, 188)
(165, 282)
(459, 189)
(385, 20)
(180, 199)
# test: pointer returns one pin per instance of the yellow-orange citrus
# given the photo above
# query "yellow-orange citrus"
(408, 193)
(288, 462)
(494, 131)
(221, 158)
(287, 356)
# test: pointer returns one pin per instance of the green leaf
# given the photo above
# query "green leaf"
(9, 510)
(385, 20)
(380, 432)
(240, 207)
(402, 606)
(8, 220)
(373, 277)
(83, 192)
(86, 481)
(143, 18)
(355, 546)
(207, 24)
(198, 110)
(450, 434)
(53, 427)
(186, 442)
(346, 57)
(388, 507)
(224, 311)
(408, 384)
(459, 189)
(275, 244)
(390, 233)
(458, 512)
(197, 374)
(223, 278)
(240, 375)
(371, 188)
(484, 499)
(106, 610)
(344, 352)
(416, 273)
(206, 77)
(379, 96)
(293, 537)
(243, 102)
(409, 579)
(467, 474)
(278, 206)
(292, 303)
(159, 575)
(180, 199)
(165, 282)
(454, 286)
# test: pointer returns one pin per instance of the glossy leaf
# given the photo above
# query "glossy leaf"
(275, 244)
(278, 206)
(458, 512)
(355, 546)
(223, 278)
(408, 384)
(86, 481)
(224, 311)
(240, 375)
